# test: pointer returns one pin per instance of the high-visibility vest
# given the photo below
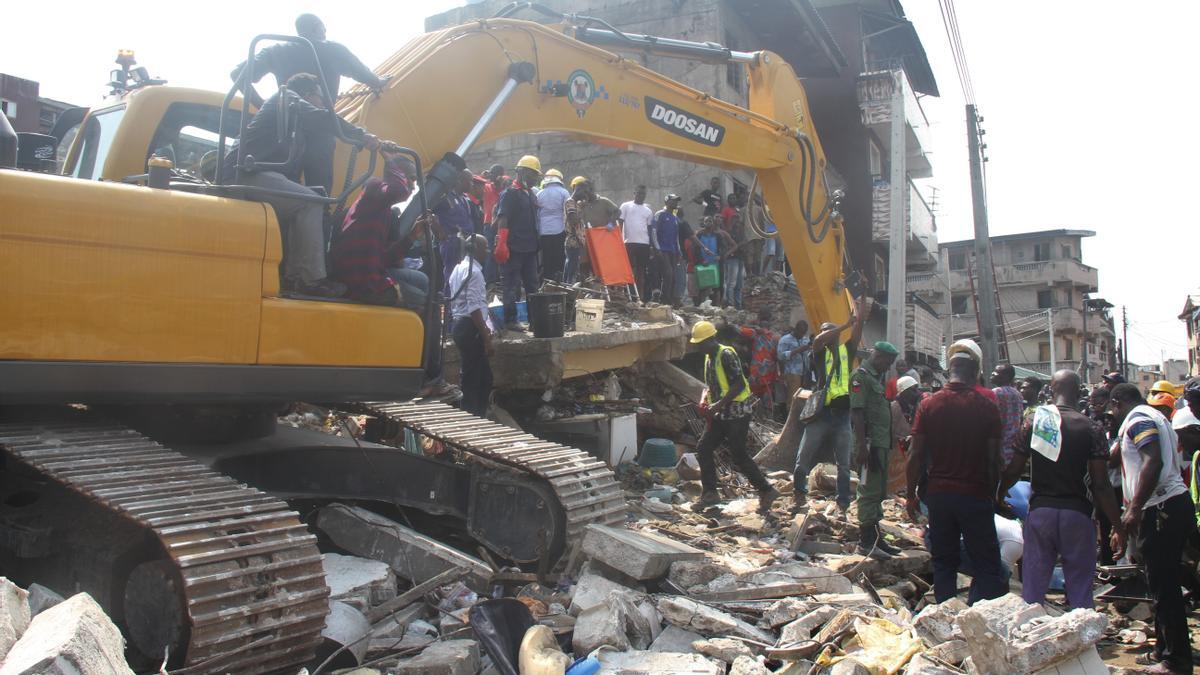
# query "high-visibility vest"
(723, 380)
(839, 387)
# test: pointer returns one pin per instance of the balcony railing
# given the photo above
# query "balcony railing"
(1042, 272)
(875, 91)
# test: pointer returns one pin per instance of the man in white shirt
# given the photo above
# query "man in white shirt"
(552, 225)
(1159, 517)
(635, 223)
(472, 327)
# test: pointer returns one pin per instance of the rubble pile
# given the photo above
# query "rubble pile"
(56, 636)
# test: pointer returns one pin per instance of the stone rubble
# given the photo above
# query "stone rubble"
(75, 637)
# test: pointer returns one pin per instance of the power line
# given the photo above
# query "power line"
(954, 37)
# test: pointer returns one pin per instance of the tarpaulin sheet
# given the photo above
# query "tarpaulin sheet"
(610, 261)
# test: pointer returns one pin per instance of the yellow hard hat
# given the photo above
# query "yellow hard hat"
(577, 180)
(1165, 386)
(530, 162)
(554, 173)
(702, 331)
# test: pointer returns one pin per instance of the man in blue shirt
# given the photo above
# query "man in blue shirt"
(517, 238)
(457, 217)
(664, 237)
(794, 355)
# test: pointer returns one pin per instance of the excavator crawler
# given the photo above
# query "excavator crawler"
(143, 315)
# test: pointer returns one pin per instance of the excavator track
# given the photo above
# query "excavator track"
(245, 572)
(585, 487)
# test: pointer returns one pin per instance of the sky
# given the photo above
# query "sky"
(1081, 101)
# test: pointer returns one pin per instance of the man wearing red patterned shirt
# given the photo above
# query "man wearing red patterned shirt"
(764, 370)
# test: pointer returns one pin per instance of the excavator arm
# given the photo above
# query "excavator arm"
(479, 82)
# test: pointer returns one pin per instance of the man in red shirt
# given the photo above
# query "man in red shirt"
(956, 449)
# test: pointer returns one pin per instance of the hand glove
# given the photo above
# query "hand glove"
(502, 246)
(609, 227)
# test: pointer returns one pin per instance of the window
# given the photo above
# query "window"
(1041, 252)
(1070, 349)
(958, 261)
(875, 158)
(9, 108)
(98, 134)
(1045, 299)
(1066, 252)
(1043, 351)
(958, 303)
(188, 135)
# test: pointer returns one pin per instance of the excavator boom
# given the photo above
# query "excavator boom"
(451, 89)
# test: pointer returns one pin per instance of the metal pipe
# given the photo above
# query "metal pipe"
(709, 52)
(517, 73)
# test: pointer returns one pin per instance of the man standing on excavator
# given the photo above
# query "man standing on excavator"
(517, 238)
(728, 405)
(286, 59)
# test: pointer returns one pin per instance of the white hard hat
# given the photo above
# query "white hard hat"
(1183, 418)
(964, 348)
(905, 383)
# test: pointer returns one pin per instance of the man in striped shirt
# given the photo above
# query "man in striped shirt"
(1159, 517)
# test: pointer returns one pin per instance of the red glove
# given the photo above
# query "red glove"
(502, 246)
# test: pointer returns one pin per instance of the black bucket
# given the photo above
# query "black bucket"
(546, 314)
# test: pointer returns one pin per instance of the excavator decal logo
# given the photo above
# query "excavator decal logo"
(683, 123)
(582, 92)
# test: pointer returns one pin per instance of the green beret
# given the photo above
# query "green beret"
(886, 348)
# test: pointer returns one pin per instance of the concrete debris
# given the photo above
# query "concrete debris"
(74, 637)
(923, 665)
(953, 652)
(723, 649)
(617, 623)
(345, 631)
(748, 665)
(849, 667)
(784, 611)
(641, 555)
(802, 628)
(359, 582)
(14, 614)
(41, 599)
(591, 590)
(675, 639)
(451, 657)
(935, 623)
(656, 663)
(823, 579)
(1008, 635)
(689, 574)
(410, 554)
(691, 615)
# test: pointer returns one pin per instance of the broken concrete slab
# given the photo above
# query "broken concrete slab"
(410, 554)
(74, 637)
(14, 614)
(1046, 641)
(656, 663)
(748, 665)
(691, 615)
(802, 628)
(953, 652)
(923, 665)
(784, 611)
(1087, 662)
(617, 622)
(361, 583)
(41, 599)
(675, 639)
(591, 590)
(935, 623)
(641, 555)
(688, 574)
(988, 627)
(723, 649)
(798, 573)
(452, 657)
(849, 666)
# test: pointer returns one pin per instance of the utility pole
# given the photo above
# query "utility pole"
(898, 236)
(1083, 358)
(983, 247)
(1050, 325)
(1125, 344)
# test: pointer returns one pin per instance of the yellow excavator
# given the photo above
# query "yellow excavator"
(142, 312)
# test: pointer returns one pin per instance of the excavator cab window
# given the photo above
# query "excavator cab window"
(188, 134)
(98, 133)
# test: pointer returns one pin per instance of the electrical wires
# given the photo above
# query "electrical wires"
(954, 36)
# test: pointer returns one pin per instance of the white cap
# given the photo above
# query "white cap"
(1183, 418)
(965, 348)
(904, 384)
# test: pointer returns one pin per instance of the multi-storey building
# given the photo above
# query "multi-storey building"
(1190, 316)
(862, 64)
(25, 109)
(1049, 320)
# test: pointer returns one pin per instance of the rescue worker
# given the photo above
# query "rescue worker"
(728, 405)
(871, 417)
(831, 426)
(517, 238)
